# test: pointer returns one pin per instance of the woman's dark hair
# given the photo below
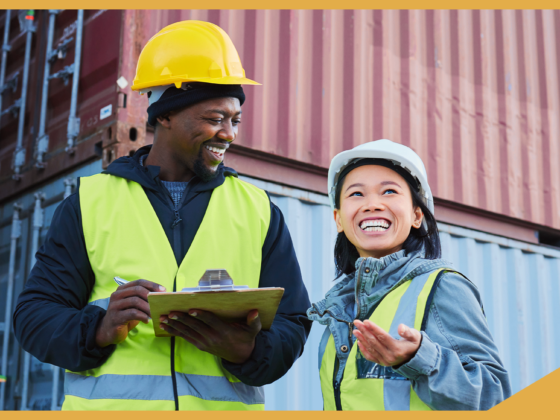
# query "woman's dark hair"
(346, 254)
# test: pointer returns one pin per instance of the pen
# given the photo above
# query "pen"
(120, 281)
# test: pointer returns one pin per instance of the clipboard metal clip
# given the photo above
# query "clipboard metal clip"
(214, 281)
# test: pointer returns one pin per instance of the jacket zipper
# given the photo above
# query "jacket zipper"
(176, 239)
(358, 281)
(176, 248)
(337, 396)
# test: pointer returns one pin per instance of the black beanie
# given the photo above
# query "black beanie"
(190, 94)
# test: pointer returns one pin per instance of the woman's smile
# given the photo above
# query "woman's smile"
(375, 225)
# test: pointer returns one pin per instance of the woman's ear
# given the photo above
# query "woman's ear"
(417, 218)
(338, 221)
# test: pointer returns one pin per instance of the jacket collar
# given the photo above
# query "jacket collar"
(148, 176)
(377, 276)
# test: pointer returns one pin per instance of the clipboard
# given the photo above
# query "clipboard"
(216, 293)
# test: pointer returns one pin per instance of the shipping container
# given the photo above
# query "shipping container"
(64, 126)
(475, 93)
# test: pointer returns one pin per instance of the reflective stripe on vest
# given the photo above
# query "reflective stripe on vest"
(366, 385)
(124, 238)
(205, 387)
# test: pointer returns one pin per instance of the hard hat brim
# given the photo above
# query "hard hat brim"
(228, 80)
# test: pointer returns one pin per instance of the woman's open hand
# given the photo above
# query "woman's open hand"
(379, 347)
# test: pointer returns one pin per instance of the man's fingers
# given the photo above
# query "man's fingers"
(128, 315)
(133, 302)
(176, 333)
(254, 321)
(207, 318)
(131, 291)
(150, 285)
(182, 323)
(182, 330)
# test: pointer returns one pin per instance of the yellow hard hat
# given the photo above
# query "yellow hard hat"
(189, 51)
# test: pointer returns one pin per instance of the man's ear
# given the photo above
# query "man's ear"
(417, 218)
(338, 221)
(164, 120)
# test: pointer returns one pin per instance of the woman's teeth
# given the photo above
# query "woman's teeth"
(216, 150)
(374, 225)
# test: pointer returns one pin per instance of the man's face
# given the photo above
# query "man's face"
(200, 134)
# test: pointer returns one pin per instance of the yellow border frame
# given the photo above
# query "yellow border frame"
(537, 400)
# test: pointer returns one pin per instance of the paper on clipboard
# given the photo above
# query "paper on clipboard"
(216, 293)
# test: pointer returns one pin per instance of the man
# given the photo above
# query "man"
(160, 219)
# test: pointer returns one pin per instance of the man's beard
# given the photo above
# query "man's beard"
(201, 170)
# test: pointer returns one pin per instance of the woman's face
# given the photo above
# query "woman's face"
(376, 211)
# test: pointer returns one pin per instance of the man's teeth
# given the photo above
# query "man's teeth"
(216, 150)
(374, 225)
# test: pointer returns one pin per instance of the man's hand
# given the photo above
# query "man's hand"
(127, 307)
(207, 332)
(379, 347)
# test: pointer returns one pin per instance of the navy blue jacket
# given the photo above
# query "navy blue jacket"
(54, 323)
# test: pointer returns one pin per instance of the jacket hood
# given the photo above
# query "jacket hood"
(129, 167)
(378, 276)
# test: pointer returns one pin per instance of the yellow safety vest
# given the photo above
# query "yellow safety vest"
(124, 238)
(366, 385)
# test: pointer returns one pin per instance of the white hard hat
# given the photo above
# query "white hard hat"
(382, 149)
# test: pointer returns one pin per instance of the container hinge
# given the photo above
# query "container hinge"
(73, 126)
(63, 74)
(16, 228)
(13, 109)
(38, 213)
(73, 131)
(10, 84)
(60, 51)
(19, 160)
(69, 185)
(42, 148)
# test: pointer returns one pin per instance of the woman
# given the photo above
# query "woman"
(404, 331)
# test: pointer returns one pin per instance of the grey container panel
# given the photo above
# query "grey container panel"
(40, 374)
(14, 355)
(519, 285)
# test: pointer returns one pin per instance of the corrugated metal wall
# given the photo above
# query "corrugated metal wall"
(475, 93)
(519, 283)
(520, 287)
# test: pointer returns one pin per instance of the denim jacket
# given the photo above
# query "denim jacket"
(457, 366)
